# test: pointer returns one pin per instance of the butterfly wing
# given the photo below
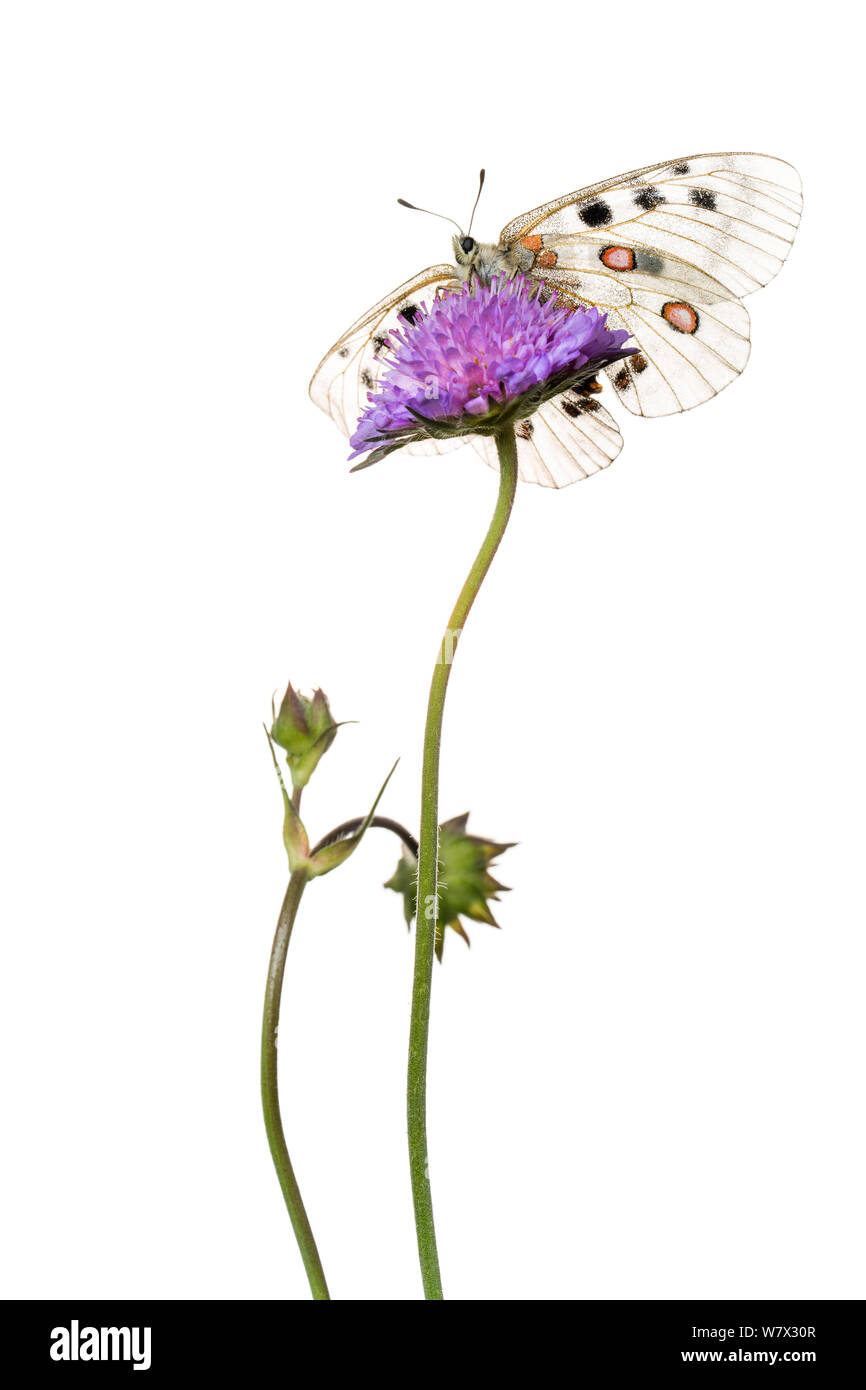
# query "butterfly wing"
(568, 438)
(669, 251)
(351, 368)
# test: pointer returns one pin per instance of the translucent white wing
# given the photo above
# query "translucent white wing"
(351, 368)
(732, 215)
(692, 332)
(569, 438)
(669, 251)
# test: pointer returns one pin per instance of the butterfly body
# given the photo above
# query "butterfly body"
(668, 251)
(482, 260)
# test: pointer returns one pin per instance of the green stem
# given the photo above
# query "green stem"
(428, 854)
(270, 1095)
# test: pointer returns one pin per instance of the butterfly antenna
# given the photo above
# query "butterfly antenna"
(477, 196)
(413, 208)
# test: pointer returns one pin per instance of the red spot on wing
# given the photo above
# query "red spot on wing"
(547, 259)
(680, 316)
(617, 258)
(532, 243)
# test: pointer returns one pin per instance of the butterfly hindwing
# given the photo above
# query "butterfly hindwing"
(568, 438)
(688, 353)
(693, 337)
(693, 333)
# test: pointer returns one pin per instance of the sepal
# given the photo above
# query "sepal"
(332, 856)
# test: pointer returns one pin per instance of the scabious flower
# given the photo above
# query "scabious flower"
(478, 360)
(465, 883)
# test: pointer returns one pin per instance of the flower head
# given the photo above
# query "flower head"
(465, 884)
(479, 359)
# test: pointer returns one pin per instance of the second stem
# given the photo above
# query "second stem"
(270, 1091)
(428, 869)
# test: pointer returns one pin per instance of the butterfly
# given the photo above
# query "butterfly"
(668, 251)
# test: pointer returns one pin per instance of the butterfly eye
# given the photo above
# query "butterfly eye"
(467, 244)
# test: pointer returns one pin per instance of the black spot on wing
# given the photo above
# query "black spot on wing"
(622, 380)
(702, 198)
(596, 214)
(410, 312)
(379, 343)
(649, 263)
(343, 352)
(367, 379)
(582, 395)
(648, 198)
(524, 429)
(638, 363)
(680, 169)
(574, 405)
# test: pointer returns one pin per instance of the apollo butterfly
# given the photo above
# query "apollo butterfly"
(668, 251)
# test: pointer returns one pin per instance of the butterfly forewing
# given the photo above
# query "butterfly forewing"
(669, 251)
(732, 215)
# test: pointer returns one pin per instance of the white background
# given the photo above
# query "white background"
(648, 1084)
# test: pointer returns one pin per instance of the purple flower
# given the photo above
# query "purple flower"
(481, 358)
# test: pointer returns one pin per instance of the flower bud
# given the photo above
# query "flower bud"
(305, 729)
(465, 884)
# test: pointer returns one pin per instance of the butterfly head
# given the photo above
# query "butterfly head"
(481, 260)
(466, 254)
(472, 258)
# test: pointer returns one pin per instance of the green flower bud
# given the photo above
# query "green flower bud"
(333, 851)
(466, 886)
(305, 729)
